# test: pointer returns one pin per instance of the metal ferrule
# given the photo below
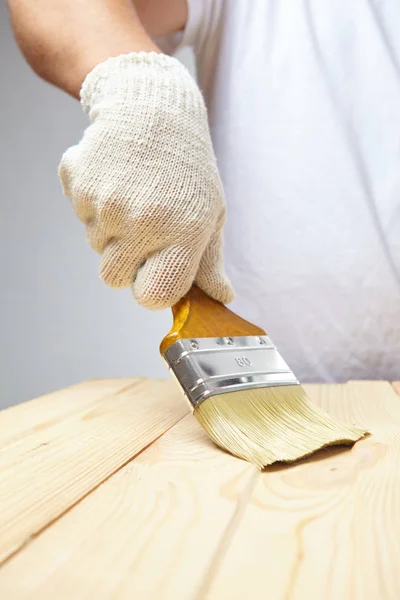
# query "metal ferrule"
(208, 366)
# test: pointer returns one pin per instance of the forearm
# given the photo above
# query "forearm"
(64, 40)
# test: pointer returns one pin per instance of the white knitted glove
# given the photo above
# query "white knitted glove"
(145, 182)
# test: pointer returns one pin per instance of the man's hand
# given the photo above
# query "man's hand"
(144, 178)
(145, 182)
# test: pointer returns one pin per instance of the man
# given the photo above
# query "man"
(303, 104)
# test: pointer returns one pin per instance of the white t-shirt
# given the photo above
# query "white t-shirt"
(304, 109)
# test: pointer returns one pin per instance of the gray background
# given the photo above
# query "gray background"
(59, 324)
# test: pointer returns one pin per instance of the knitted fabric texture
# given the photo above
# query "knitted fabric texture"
(144, 180)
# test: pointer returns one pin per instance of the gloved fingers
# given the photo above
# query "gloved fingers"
(107, 224)
(67, 168)
(98, 235)
(69, 173)
(120, 262)
(211, 276)
(166, 277)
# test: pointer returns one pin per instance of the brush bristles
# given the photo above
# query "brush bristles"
(270, 424)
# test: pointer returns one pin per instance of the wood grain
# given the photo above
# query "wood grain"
(19, 421)
(198, 315)
(184, 520)
(45, 473)
(329, 527)
(150, 531)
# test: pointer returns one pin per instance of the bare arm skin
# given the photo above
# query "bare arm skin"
(63, 40)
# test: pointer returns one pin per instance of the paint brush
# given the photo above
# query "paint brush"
(241, 390)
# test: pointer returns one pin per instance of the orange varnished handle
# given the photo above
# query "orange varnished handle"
(198, 315)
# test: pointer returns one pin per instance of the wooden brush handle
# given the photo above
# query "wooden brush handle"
(198, 315)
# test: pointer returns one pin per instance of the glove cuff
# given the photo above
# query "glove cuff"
(120, 72)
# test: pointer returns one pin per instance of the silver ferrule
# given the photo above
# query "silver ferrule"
(208, 366)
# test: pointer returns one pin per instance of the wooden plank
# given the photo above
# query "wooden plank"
(19, 421)
(184, 520)
(44, 474)
(329, 527)
(150, 531)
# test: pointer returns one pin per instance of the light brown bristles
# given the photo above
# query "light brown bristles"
(270, 424)
(211, 349)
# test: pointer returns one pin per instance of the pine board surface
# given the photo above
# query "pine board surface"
(110, 489)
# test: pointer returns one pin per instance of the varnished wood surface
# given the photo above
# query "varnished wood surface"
(110, 490)
(198, 315)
